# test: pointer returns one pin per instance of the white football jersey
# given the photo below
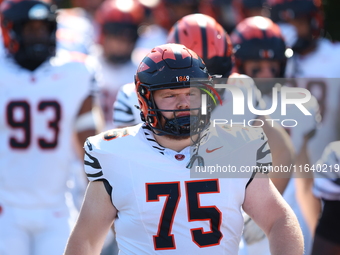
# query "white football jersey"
(113, 78)
(37, 115)
(327, 173)
(319, 72)
(161, 210)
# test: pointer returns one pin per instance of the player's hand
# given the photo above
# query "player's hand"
(252, 233)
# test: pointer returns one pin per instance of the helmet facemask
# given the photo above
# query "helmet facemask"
(34, 51)
(179, 126)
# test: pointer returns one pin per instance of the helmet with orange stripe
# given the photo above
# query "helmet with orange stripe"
(205, 36)
(258, 38)
(171, 67)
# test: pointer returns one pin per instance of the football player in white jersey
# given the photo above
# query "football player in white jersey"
(119, 22)
(43, 101)
(155, 206)
(260, 53)
(327, 188)
(209, 40)
(313, 65)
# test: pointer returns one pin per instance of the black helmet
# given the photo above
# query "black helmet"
(258, 38)
(172, 66)
(14, 15)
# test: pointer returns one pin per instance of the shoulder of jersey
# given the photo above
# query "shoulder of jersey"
(114, 138)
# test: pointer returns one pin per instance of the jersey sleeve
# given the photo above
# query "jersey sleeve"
(92, 166)
(124, 111)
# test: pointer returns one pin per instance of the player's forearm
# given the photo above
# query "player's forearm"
(79, 246)
(285, 237)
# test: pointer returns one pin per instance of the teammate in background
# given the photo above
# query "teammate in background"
(43, 100)
(165, 14)
(260, 52)
(126, 190)
(314, 63)
(327, 188)
(77, 27)
(119, 22)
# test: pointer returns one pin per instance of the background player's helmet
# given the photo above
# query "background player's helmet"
(120, 18)
(258, 38)
(285, 10)
(202, 34)
(13, 15)
(172, 66)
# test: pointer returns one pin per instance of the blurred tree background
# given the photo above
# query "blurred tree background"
(331, 13)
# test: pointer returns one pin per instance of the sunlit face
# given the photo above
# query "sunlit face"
(178, 99)
(262, 68)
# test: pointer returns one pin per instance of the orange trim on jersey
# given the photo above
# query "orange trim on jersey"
(115, 133)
